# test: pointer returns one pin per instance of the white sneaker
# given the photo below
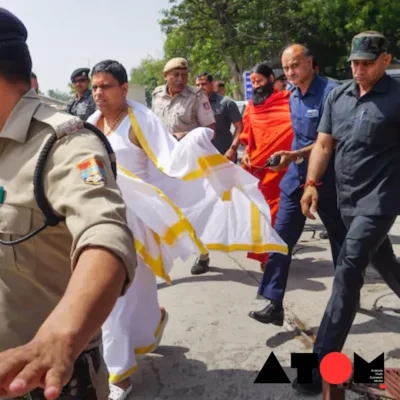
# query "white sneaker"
(116, 393)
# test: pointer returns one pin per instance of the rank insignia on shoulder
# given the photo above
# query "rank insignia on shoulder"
(71, 126)
(206, 106)
(92, 172)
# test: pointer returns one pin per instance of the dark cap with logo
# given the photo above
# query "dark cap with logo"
(80, 72)
(368, 46)
(12, 30)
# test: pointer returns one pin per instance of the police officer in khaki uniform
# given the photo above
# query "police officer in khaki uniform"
(182, 108)
(58, 280)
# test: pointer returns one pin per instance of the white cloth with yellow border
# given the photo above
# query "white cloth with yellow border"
(183, 198)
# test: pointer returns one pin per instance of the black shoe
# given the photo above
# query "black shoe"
(324, 234)
(272, 314)
(308, 389)
(200, 267)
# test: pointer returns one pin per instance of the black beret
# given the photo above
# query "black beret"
(80, 72)
(12, 30)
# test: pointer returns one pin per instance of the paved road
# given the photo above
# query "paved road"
(212, 350)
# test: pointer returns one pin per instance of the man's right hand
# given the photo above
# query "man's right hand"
(44, 362)
(287, 157)
(309, 202)
(246, 160)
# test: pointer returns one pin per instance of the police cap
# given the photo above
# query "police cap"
(368, 46)
(12, 30)
(84, 72)
(279, 74)
(175, 63)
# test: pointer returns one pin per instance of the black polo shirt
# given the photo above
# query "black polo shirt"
(226, 112)
(367, 131)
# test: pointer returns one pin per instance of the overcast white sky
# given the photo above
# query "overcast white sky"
(67, 34)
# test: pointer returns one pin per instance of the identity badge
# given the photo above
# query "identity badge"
(312, 113)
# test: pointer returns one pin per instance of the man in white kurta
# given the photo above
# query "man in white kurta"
(183, 198)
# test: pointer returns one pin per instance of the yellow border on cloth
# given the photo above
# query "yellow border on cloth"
(114, 378)
(155, 264)
(184, 225)
(205, 163)
(257, 249)
(257, 246)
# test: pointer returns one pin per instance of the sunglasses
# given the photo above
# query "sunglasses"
(79, 80)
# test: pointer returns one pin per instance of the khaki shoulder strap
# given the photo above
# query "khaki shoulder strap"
(62, 123)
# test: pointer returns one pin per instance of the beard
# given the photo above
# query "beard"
(262, 93)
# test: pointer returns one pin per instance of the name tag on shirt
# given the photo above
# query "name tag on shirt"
(312, 114)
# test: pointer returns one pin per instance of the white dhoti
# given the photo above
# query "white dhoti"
(183, 198)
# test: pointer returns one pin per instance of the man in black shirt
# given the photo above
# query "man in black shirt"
(81, 103)
(226, 113)
(361, 121)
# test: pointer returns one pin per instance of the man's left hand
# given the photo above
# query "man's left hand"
(286, 158)
(231, 155)
(47, 363)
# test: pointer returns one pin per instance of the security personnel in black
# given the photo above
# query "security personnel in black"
(81, 103)
(361, 124)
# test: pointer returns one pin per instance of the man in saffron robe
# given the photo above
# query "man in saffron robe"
(267, 130)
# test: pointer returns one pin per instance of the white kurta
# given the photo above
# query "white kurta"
(182, 198)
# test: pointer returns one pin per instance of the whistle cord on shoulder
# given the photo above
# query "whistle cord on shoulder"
(50, 217)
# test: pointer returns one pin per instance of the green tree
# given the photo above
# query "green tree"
(227, 37)
(328, 27)
(149, 74)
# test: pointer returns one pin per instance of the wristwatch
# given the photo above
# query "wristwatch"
(300, 157)
(234, 147)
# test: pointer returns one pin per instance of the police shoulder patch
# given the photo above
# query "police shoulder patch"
(92, 172)
(206, 105)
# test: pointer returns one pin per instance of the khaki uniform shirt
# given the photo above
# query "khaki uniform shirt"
(34, 274)
(185, 111)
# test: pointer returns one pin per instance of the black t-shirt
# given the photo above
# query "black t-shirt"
(367, 131)
(226, 112)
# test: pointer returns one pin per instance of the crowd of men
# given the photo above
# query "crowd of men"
(337, 149)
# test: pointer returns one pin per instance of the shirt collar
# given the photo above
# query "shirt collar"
(312, 89)
(213, 97)
(381, 86)
(87, 93)
(184, 92)
(17, 124)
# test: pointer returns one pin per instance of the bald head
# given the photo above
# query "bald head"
(297, 50)
(297, 63)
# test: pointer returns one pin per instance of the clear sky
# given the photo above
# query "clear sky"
(67, 34)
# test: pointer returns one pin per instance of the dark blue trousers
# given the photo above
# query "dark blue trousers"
(289, 225)
(366, 242)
